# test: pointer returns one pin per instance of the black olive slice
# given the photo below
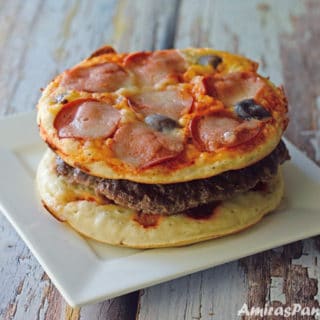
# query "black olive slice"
(210, 59)
(60, 98)
(161, 123)
(248, 109)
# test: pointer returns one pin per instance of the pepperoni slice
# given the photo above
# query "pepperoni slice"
(151, 68)
(233, 87)
(101, 51)
(212, 132)
(104, 77)
(86, 119)
(172, 103)
(140, 146)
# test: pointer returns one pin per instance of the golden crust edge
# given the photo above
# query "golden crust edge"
(277, 196)
(155, 175)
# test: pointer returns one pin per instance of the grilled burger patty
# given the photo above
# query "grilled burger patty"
(173, 198)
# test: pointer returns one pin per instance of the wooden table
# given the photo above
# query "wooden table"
(40, 38)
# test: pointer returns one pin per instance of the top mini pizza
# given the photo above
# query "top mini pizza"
(162, 117)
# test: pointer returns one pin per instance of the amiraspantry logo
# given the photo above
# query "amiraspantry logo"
(281, 311)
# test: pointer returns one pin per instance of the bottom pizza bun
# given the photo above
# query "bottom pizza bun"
(92, 216)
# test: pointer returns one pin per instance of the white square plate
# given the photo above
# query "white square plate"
(85, 271)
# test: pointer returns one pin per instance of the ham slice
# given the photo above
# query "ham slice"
(104, 77)
(140, 146)
(152, 68)
(212, 132)
(172, 103)
(86, 119)
(233, 87)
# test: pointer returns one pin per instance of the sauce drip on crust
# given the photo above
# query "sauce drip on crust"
(147, 220)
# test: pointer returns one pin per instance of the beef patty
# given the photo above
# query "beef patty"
(177, 197)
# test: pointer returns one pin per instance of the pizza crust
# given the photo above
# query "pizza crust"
(82, 210)
(97, 158)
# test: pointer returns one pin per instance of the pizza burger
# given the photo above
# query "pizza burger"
(163, 148)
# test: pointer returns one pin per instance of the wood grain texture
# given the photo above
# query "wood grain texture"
(145, 25)
(199, 296)
(39, 39)
(300, 52)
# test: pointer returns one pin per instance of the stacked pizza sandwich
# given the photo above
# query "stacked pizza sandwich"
(163, 148)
